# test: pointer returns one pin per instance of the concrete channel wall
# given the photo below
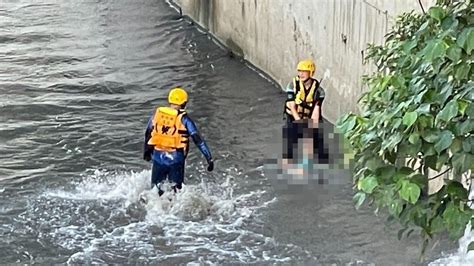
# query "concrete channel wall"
(274, 35)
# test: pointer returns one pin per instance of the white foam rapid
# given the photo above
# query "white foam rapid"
(113, 217)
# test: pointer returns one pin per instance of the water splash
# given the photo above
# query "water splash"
(103, 219)
(462, 256)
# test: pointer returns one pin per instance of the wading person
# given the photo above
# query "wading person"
(167, 141)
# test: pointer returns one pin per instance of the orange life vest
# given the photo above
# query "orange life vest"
(169, 133)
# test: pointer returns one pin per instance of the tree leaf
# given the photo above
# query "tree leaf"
(420, 95)
(437, 225)
(466, 127)
(456, 146)
(437, 13)
(445, 93)
(359, 199)
(395, 208)
(462, 71)
(390, 156)
(461, 162)
(430, 161)
(435, 49)
(409, 191)
(409, 118)
(384, 82)
(461, 39)
(455, 220)
(407, 46)
(454, 53)
(456, 190)
(368, 183)
(368, 137)
(470, 41)
(445, 140)
(420, 180)
(414, 138)
(427, 149)
(462, 106)
(348, 124)
(390, 143)
(470, 110)
(470, 246)
(397, 122)
(441, 161)
(426, 121)
(466, 39)
(467, 144)
(437, 64)
(423, 27)
(449, 111)
(409, 150)
(374, 163)
(430, 135)
(424, 108)
(386, 172)
(449, 22)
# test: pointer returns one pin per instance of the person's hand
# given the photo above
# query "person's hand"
(313, 123)
(210, 165)
(147, 153)
(147, 156)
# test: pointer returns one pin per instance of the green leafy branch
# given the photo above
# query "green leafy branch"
(416, 118)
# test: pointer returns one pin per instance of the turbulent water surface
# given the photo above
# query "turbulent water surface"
(79, 80)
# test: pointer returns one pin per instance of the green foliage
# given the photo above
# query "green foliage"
(418, 115)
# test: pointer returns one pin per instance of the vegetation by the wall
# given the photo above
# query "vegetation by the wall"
(416, 115)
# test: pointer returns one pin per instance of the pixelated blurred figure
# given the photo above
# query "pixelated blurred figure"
(319, 159)
(312, 153)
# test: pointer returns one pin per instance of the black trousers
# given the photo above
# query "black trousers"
(296, 130)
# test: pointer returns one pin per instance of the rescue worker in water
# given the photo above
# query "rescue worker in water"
(167, 141)
(303, 112)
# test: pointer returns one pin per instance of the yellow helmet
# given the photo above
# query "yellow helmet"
(177, 96)
(306, 65)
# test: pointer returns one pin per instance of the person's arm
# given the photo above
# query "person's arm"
(148, 149)
(318, 99)
(290, 102)
(294, 113)
(198, 140)
(315, 115)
